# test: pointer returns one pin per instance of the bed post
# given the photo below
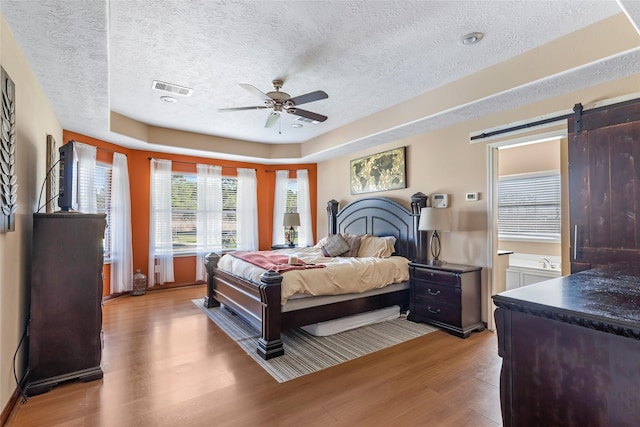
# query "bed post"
(419, 201)
(332, 212)
(211, 264)
(269, 344)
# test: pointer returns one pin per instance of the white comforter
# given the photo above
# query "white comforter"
(340, 276)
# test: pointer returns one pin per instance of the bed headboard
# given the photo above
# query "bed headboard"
(380, 216)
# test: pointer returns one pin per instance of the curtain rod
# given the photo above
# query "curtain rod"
(275, 170)
(194, 163)
(96, 147)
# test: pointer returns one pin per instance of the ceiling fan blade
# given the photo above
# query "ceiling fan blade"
(309, 97)
(257, 92)
(272, 119)
(257, 107)
(307, 114)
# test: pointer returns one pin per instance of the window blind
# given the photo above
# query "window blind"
(183, 211)
(229, 205)
(292, 195)
(529, 206)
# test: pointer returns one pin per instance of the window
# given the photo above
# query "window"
(529, 206)
(184, 204)
(292, 206)
(183, 211)
(292, 195)
(229, 204)
(102, 180)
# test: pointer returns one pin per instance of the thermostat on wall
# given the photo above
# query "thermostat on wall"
(439, 201)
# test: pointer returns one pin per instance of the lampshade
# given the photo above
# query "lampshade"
(291, 219)
(434, 219)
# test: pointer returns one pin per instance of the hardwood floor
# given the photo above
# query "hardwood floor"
(166, 364)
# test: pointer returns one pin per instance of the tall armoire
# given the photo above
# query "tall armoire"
(66, 299)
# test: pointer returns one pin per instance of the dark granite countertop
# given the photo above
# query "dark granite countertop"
(609, 295)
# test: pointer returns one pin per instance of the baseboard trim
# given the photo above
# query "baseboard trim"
(12, 404)
(155, 288)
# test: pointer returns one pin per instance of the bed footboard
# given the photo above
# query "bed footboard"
(259, 303)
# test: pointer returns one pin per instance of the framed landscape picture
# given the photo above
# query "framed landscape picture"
(379, 172)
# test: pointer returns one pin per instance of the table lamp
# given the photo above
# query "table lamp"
(434, 219)
(291, 219)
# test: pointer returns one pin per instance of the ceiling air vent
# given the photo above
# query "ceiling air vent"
(171, 88)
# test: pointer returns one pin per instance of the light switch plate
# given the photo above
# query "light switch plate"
(471, 197)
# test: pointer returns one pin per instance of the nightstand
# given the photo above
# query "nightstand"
(447, 296)
(282, 246)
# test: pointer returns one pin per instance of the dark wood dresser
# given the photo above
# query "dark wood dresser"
(66, 299)
(446, 296)
(571, 349)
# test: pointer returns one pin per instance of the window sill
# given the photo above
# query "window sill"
(183, 254)
(529, 239)
(190, 254)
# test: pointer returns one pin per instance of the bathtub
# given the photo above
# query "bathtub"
(527, 269)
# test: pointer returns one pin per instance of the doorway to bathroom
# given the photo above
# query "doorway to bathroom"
(523, 256)
(529, 210)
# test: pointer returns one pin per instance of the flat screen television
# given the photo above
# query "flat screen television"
(68, 182)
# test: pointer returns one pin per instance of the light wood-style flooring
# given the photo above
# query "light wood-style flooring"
(166, 364)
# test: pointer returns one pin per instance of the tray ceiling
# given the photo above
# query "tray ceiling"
(97, 57)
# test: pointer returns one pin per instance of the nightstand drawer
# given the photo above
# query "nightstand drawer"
(439, 312)
(424, 290)
(440, 277)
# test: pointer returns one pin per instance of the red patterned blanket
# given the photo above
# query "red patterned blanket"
(269, 260)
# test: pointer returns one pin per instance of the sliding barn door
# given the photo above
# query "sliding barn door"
(604, 186)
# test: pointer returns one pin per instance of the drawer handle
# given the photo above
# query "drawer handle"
(436, 311)
(432, 292)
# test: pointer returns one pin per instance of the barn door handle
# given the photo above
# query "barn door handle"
(575, 243)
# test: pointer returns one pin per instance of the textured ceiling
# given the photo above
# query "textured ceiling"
(93, 57)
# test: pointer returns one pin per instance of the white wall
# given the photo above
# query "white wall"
(34, 120)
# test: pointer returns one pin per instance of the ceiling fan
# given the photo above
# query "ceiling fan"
(282, 101)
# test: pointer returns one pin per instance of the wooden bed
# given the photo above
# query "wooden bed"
(260, 303)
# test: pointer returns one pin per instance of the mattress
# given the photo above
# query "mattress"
(340, 275)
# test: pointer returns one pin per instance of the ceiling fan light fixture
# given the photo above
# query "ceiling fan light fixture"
(282, 102)
(471, 38)
(306, 120)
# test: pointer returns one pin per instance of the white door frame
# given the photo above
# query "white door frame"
(492, 203)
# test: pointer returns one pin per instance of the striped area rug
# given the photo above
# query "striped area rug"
(305, 353)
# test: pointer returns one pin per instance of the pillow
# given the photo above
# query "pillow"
(335, 245)
(321, 243)
(379, 247)
(354, 245)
